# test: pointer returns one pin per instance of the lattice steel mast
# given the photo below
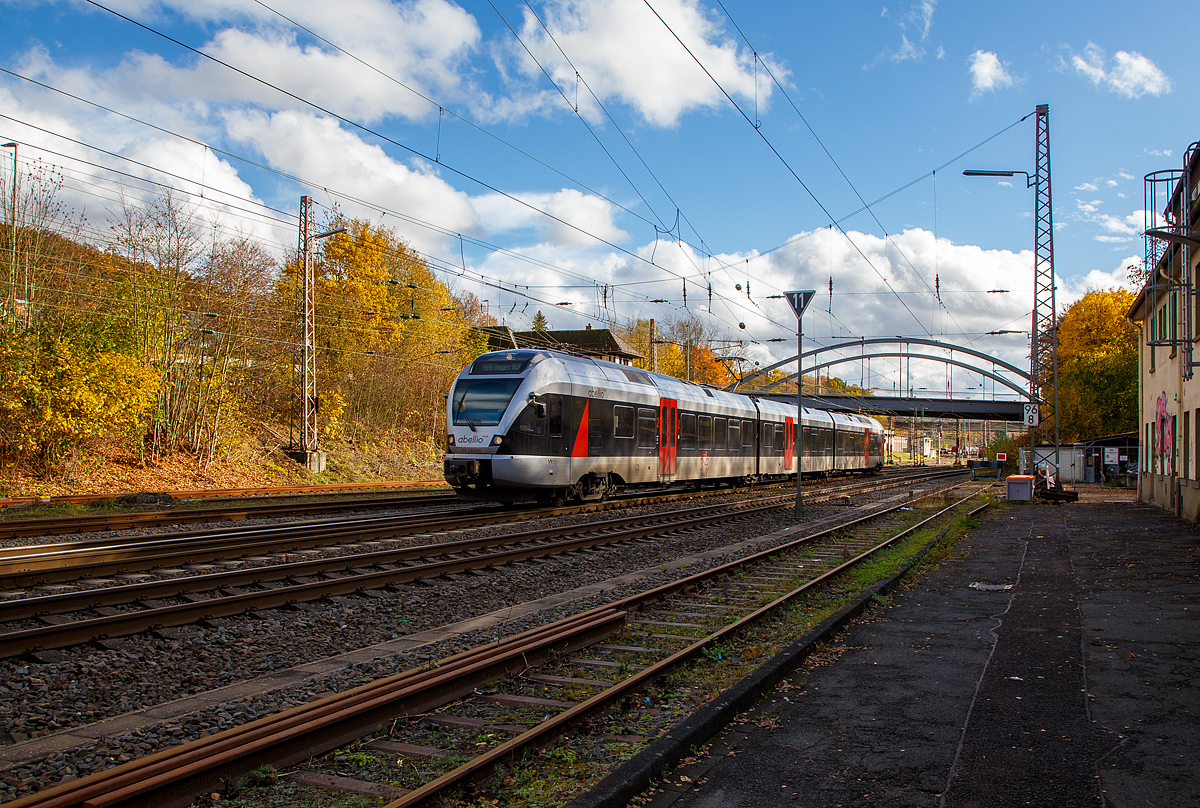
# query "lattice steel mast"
(304, 384)
(1044, 339)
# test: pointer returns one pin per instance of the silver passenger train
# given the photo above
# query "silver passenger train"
(541, 425)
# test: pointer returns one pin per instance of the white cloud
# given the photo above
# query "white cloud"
(1158, 152)
(921, 15)
(573, 212)
(1087, 186)
(908, 51)
(920, 19)
(419, 43)
(1100, 280)
(987, 73)
(1111, 183)
(321, 151)
(1124, 175)
(622, 51)
(1132, 75)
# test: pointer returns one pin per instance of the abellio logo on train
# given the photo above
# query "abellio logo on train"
(473, 439)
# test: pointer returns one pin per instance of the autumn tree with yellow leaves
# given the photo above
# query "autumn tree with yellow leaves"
(174, 334)
(1097, 367)
(390, 336)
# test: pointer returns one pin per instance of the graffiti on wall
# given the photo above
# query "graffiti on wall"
(1163, 438)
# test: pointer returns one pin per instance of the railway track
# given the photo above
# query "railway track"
(115, 611)
(633, 643)
(98, 523)
(288, 506)
(222, 493)
(22, 567)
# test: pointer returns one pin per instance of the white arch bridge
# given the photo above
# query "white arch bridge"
(928, 406)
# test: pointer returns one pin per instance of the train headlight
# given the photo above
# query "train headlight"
(497, 440)
(449, 443)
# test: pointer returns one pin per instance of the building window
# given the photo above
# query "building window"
(1195, 475)
(1174, 315)
(1187, 446)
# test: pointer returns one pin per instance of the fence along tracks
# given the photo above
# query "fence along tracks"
(174, 776)
(292, 582)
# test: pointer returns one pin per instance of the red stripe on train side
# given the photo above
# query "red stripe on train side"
(580, 449)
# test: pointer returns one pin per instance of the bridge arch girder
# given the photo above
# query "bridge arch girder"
(892, 355)
(888, 341)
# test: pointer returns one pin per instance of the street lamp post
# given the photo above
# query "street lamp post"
(12, 268)
(799, 302)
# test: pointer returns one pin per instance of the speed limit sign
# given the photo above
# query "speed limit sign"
(1031, 414)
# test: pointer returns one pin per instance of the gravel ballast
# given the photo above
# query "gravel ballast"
(78, 687)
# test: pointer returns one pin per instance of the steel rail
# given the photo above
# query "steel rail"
(216, 493)
(78, 632)
(95, 629)
(95, 523)
(48, 526)
(146, 559)
(174, 776)
(556, 724)
(55, 563)
(23, 608)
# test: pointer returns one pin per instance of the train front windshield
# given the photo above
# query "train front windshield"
(482, 402)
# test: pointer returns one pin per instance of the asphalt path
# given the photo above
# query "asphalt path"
(1054, 661)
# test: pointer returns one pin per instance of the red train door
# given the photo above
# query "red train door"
(787, 444)
(867, 450)
(668, 436)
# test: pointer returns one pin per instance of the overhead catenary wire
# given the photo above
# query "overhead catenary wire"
(316, 186)
(366, 129)
(503, 286)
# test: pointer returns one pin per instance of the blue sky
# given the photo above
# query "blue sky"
(657, 179)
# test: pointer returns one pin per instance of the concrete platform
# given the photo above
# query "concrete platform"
(1078, 686)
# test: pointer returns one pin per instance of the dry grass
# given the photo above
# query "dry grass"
(259, 462)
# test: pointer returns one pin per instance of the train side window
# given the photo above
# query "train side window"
(554, 415)
(705, 432)
(687, 431)
(647, 428)
(779, 438)
(747, 433)
(735, 435)
(622, 422)
(719, 431)
(529, 423)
